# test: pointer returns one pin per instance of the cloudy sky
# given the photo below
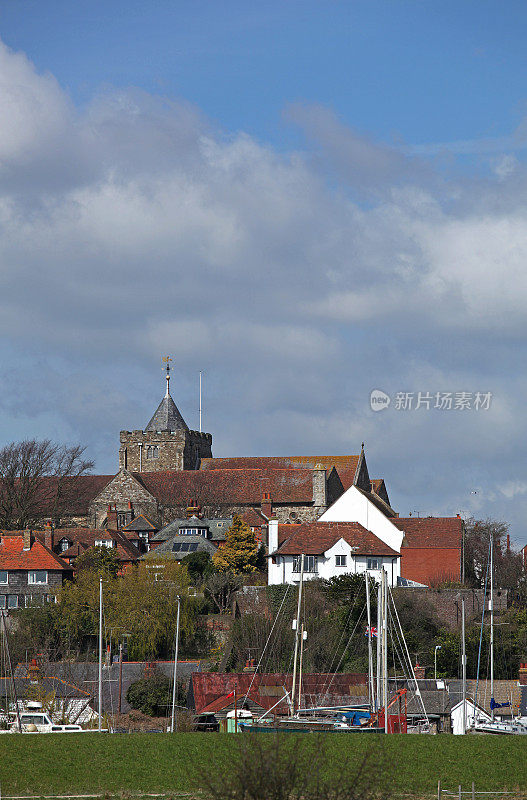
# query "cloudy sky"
(307, 201)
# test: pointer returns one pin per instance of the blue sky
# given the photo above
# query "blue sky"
(307, 201)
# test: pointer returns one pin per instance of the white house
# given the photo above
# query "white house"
(355, 506)
(473, 712)
(329, 549)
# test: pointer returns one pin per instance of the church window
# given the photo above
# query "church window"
(152, 451)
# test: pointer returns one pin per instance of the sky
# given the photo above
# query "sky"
(307, 201)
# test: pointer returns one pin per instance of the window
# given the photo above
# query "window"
(4, 576)
(37, 576)
(310, 564)
(152, 451)
(340, 561)
(3, 601)
(104, 543)
(193, 532)
(64, 544)
(12, 601)
(372, 563)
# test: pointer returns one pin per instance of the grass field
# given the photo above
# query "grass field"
(137, 763)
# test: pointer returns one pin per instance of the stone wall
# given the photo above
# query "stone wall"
(176, 450)
(447, 602)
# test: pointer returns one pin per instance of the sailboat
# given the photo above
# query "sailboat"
(518, 725)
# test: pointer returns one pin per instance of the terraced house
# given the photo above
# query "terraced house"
(30, 573)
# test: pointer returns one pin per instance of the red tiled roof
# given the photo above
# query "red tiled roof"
(348, 463)
(13, 556)
(229, 486)
(211, 687)
(83, 538)
(314, 538)
(75, 493)
(436, 532)
(253, 518)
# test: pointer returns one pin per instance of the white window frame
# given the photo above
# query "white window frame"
(104, 543)
(6, 582)
(310, 564)
(371, 561)
(64, 544)
(341, 560)
(16, 598)
(31, 577)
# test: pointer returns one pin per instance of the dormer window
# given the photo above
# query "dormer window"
(193, 532)
(64, 544)
(104, 543)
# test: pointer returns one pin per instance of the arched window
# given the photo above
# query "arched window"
(149, 451)
(155, 451)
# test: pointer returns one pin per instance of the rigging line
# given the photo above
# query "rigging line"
(408, 656)
(344, 630)
(482, 621)
(344, 653)
(267, 642)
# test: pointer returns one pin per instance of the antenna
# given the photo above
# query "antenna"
(166, 360)
(200, 373)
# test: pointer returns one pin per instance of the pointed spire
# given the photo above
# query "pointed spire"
(167, 416)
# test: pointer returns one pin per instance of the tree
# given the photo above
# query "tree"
(239, 554)
(199, 566)
(37, 481)
(220, 587)
(507, 562)
(101, 560)
(153, 695)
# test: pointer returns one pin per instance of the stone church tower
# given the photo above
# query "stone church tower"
(166, 443)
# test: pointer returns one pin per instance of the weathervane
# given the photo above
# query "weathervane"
(166, 361)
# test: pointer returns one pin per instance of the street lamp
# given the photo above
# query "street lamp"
(437, 647)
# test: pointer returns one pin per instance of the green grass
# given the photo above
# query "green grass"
(79, 764)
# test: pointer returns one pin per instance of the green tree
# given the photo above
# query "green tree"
(153, 695)
(198, 565)
(100, 560)
(239, 554)
(508, 567)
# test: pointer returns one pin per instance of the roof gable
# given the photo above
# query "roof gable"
(14, 557)
(124, 481)
(315, 538)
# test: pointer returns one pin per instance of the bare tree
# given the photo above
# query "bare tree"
(37, 481)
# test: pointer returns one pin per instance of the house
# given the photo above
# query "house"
(30, 572)
(432, 548)
(474, 713)
(329, 549)
(70, 543)
(140, 531)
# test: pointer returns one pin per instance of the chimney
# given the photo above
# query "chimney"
(266, 505)
(27, 539)
(522, 677)
(319, 486)
(33, 671)
(111, 517)
(193, 510)
(272, 535)
(419, 672)
(48, 535)
(131, 510)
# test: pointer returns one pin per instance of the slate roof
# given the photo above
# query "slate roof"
(13, 556)
(229, 486)
(61, 688)
(141, 523)
(314, 538)
(217, 529)
(267, 689)
(504, 692)
(167, 550)
(84, 676)
(167, 417)
(436, 532)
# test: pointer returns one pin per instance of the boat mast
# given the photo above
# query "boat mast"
(174, 688)
(379, 645)
(464, 665)
(385, 647)
(11, 676)
(371, 689)
(303, 637)
(491, 625)
(297, 633)
(100, 656)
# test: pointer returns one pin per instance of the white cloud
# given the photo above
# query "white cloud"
(299, 281)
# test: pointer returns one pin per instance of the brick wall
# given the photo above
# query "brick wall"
(430, 564)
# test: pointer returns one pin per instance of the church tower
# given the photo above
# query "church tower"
(166, 443)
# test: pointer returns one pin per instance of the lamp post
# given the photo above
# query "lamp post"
(437, 647)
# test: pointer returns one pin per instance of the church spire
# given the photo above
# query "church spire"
(167, 416)
(167, 361)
